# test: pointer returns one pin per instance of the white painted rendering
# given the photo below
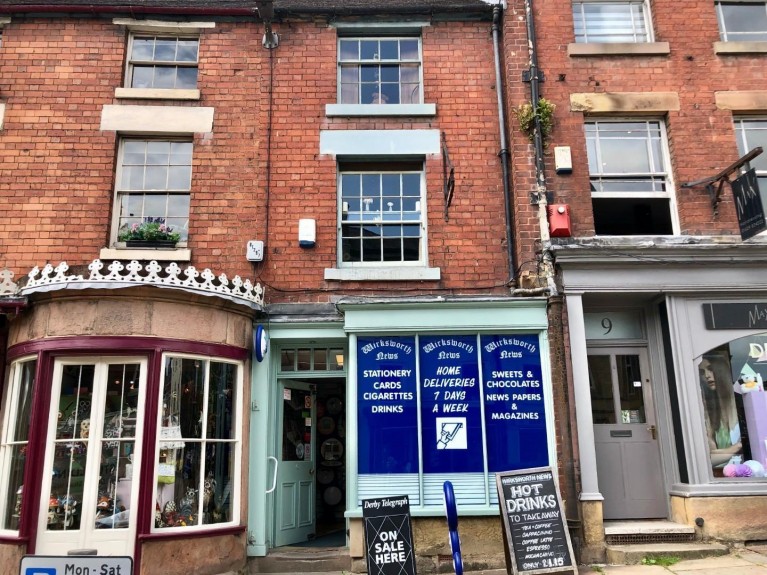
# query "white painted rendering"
(156, 120)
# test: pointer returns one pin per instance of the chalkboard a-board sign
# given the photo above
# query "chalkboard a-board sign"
(388, 536)
(536, 534)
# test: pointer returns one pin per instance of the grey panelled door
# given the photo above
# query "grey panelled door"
(625, 435)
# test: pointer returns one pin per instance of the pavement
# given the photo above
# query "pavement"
(740, 561)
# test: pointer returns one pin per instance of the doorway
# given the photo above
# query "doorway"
(625, 434)
(310, 499)
(92, 456)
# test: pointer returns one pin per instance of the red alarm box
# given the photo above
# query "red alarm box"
(559, 221)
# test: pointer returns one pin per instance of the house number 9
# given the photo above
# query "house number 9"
(607, 324)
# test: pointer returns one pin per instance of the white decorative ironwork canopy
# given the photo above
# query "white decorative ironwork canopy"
(134, 274)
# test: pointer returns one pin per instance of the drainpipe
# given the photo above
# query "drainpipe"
(540, 173)
(504, 153)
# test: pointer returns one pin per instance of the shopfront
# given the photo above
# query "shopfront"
(395, 398)
(122, 419)
(666, 346)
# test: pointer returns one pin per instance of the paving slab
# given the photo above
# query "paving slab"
(721, 562)
(622, 570)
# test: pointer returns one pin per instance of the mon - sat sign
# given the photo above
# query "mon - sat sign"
(75, 565)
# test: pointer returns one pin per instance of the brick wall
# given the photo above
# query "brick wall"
(701, 136)
(58, 168)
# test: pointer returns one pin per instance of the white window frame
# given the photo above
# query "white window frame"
(422, 244)
(638, 36)
(121, 191)
(744, 148)
(385, 31)
(728, 36)
(360, 62)
(3, 21)
(9, 418)
(664, 171)
(132, 63)
(235, 441)
(166, 29)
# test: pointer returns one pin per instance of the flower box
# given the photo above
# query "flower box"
(146, 244)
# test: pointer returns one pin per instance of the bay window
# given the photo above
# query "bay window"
(14, 439)
(197, 467)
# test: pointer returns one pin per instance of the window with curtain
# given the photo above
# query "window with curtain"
(598, 21)
(742, 21)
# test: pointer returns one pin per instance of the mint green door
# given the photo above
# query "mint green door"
(295, 491)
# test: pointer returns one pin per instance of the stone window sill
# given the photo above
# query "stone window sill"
(156, 94)
(740, 47)
(403, 273)
(618, 49)
(161, 255)
(350, 110)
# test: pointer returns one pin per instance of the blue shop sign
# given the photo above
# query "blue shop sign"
(387, 405)
(515, 417)
(451, 416)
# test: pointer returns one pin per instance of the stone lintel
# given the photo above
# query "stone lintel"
(625, 102)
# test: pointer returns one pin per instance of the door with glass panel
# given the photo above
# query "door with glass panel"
(625, 434)
(92, 457)
(295, 491)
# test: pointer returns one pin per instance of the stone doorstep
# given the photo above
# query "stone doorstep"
(634, 553)
(649, 527)
(302, 560)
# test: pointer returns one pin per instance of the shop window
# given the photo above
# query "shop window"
(734, 403)
(752, 133)
(742, 21)
(381, 214)
(197, 468)
(630, 188)
(164, 62)
(14, 440)
(434, 408)
(611, 22)
(153, 185)
(384, 70)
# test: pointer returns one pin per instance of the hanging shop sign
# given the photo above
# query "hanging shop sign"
(535, 532)
(388, 536)
(748, 204)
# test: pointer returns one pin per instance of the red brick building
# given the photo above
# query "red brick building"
(655, 104)
(353, 165)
